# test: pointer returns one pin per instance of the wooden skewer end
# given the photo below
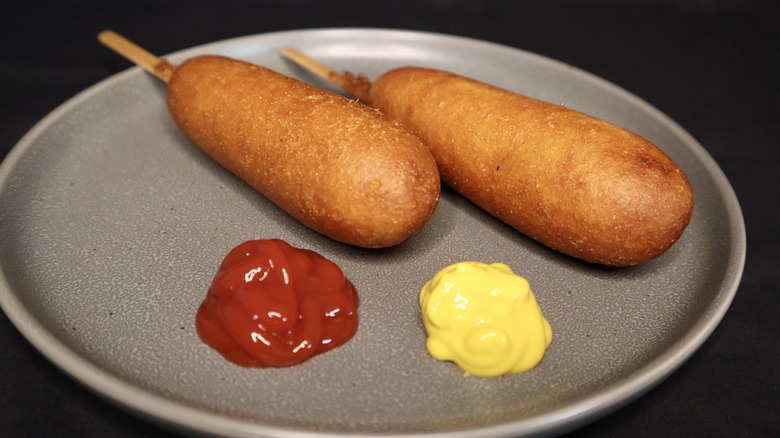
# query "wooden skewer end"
(161, 68)
(358, 86)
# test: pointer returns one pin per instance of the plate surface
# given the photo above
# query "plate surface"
(112, 224)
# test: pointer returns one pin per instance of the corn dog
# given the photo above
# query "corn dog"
(572, 182)
(345, 170)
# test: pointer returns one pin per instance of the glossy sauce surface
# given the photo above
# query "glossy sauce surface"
(484, 318)
(273, 305)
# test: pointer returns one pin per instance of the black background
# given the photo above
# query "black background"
(712, 66)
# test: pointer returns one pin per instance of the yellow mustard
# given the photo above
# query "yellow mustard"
(484, 318)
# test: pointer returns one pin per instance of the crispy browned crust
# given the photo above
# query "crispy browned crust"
(572, 182)
(343, 169)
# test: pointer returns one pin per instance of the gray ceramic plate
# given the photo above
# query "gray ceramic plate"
(112, 225)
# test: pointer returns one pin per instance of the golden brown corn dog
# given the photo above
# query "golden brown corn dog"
(343, 169)
(577, 184)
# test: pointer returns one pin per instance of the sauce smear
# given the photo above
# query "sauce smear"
(484, 318)
(273, 305)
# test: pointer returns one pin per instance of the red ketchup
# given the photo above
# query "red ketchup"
(272, 305)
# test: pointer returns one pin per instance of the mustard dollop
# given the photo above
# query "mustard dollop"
(484, 318)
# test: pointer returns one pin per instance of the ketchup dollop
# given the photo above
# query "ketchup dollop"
(273, 305)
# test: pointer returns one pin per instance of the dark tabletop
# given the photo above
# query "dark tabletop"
(711, 65)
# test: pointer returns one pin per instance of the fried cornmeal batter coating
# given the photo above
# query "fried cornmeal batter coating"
(341, 168)
(575, 183)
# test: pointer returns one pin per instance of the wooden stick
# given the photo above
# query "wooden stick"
(161, 68)
(358, 86)
(307, 62)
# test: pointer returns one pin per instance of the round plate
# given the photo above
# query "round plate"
(113, 224)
